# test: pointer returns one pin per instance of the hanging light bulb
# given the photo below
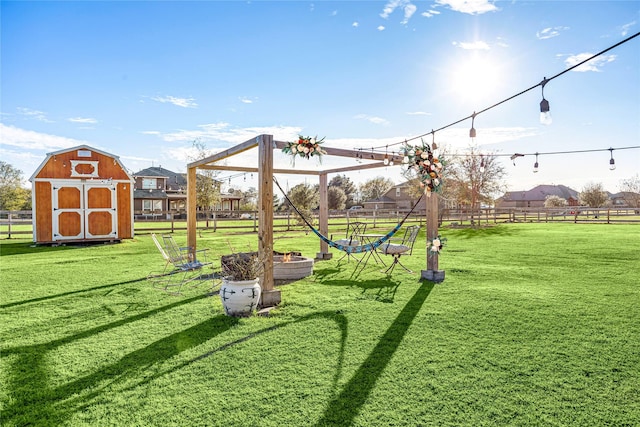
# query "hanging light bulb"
(545, 115)
(472, 131)
(391, 159)
(535, 165)
(481, 163)
(612, 163)
(434, 146)
(386, 156)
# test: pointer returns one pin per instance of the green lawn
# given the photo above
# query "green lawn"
(535, 324)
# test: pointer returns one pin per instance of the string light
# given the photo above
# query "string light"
(545, 115)
(515, 156)
(535, 165)
(386, 157)
(391, 160)
(546, 80)
(481, 163)
(472, 131)
(612, 163)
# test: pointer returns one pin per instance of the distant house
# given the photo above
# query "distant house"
(159, 191)
(535, 197)
(625, 199)
(399, 197)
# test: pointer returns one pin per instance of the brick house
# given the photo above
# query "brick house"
(159, 191)
(535, 197)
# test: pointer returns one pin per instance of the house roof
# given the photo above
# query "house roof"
(175, 180)
(541, 192)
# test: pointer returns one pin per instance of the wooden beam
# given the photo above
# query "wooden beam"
(247, 145)
(192, 222)
(324, 216)
(270, 296)
(254, 169)
(341, 152)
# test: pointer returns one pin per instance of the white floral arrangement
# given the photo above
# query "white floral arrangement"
(435, 245)
(305, 146)
(421, 161)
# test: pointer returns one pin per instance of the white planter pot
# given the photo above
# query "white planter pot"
(240, 298)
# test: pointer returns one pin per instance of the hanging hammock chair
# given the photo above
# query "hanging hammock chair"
(347, 248)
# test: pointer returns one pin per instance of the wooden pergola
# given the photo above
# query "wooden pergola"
(265, 170)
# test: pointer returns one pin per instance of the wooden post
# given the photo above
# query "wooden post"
(192, 222)
(432, 273)
(270, 296)
(324, 217)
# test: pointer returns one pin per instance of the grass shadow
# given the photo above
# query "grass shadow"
(343, 409)
(28, 377)
(64, 294)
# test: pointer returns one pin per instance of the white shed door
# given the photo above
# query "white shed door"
(84, 211)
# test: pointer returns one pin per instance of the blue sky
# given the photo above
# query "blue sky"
(142, 80)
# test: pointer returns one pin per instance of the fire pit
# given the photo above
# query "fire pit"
(288, 267)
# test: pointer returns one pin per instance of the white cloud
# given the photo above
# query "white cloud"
(223, 133)
(245, 100)
(417, 113)
(150, 132)
(334, 13)
(380, 28)
(86, 120)
(594, 65)
(409, 10)
(476, 45)
(625, 28)
(34, 114)
(550, 32)
(355, 24)
(180, 102)
(372, 119)
(472, 7)
(30, 140)
(391, 6)
(430, 13)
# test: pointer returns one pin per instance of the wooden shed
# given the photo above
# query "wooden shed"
(81, 194)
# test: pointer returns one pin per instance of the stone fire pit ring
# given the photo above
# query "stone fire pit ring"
(296, 268)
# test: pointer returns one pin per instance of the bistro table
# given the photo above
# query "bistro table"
(367, 239)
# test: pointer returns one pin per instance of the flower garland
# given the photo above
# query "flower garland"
(305, 146)
(421, 161)
(435, 245)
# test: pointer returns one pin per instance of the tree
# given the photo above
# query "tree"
(553, 201)
(477, 178)
(631, 191)
(207, 186)
(593, 195)
(349, 188)
(13, 196)
(336, 199)
(305, 198)
(375, 188)
(249, 200)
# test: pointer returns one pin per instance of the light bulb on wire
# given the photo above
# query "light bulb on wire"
(472, 131)
(612, 163)
(535, 165)
(545, 115)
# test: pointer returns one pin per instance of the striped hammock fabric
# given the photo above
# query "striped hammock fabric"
(348, 248)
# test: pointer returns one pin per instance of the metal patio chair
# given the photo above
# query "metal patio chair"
(396, 250)
(181, 265)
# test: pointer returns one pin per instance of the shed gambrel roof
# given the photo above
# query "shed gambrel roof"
(541, 192)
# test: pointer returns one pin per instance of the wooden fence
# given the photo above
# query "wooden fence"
(19, 223)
